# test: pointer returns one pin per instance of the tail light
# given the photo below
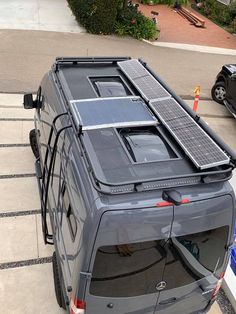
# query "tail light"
(163, 204)
(77, 306)
(218, 285)
(166, 203)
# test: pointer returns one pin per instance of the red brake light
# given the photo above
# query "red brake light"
(185, 201)
(80, 304)
(77, 306)
(218, 285)
(222, 275)
(163, 204)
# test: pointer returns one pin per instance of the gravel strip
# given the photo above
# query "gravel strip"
(20, 213)
(29, 262)
(15, 145)
(14, 176)
(224, 303)
(16, 119)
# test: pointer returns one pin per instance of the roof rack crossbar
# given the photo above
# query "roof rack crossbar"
(139, 184)
(200, 174)
(75, 60)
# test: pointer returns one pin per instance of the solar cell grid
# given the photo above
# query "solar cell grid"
(179, 123)
(147, 85)
(133, 68)
(169, 109)
(150, 88)
(201, 149)
(101, 113)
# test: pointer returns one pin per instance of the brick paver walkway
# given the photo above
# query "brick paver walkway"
(176, 29)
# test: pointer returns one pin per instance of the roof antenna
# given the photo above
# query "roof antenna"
(172, 196)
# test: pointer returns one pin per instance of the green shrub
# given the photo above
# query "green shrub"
(81, 9)
(172, 2)
(133, 23)
(217, 12)
(109, 16)
(97, 16)
(232, 9)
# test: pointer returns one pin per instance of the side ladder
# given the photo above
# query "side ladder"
(45, 176)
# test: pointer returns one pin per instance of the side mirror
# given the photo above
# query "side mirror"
(233, 77)
(28, 101)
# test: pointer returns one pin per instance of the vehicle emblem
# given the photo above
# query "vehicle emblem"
(161, 285)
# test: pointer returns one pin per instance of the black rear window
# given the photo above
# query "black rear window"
(135, 269)
(194, 256)
(128, 269)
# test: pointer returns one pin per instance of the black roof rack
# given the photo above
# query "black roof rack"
(62, 61)
(109, 167)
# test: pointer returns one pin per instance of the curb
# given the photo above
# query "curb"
(196, 48)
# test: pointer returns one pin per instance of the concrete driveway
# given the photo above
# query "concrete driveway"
(47, 15)
(25, 268)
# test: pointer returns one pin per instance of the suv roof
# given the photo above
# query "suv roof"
(140, 136)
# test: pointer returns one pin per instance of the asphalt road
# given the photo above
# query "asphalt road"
(26, 55)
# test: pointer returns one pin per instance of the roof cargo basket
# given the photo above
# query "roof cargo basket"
(155, 112)
(75, 60)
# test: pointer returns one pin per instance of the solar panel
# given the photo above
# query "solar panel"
(146, 84)
(133, 68)
(197, 144)
(111, 112)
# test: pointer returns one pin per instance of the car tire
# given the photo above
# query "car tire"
(57, 282)
(34, 143)
(218, 92)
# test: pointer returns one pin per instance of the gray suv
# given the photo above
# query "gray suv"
(134, 190)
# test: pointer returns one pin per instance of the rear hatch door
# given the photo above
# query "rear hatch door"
(128, 261)
(195, 254)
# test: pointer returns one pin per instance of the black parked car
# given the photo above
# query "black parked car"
(224, 90)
